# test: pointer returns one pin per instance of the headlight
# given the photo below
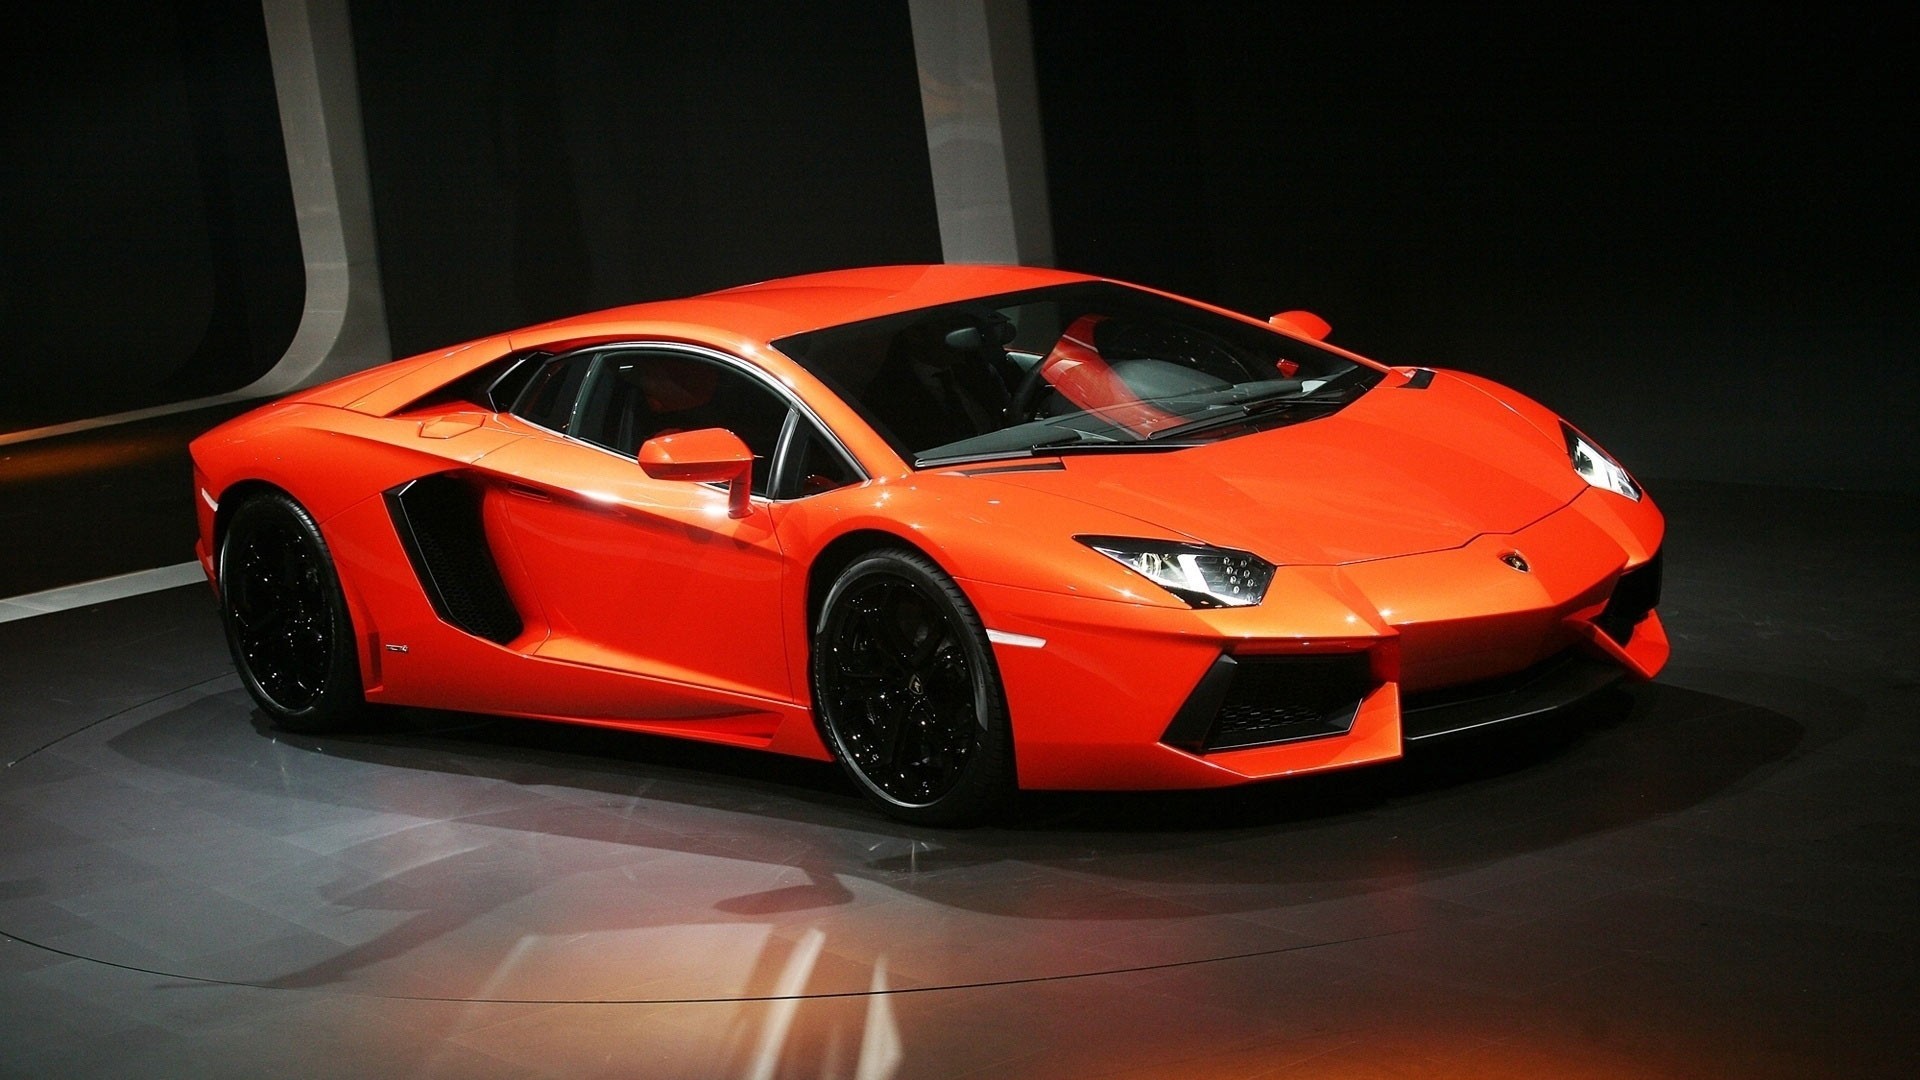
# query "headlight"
(1203, 576)
(1595, 467)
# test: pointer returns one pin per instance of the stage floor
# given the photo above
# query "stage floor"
(1717, 874)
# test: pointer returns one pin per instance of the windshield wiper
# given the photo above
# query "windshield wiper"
(1067, 441)
(1328, 393)
(1249, 411)
(1065, 437)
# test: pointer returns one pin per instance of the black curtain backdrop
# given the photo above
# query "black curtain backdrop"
(534, 160)
(1690, 232)
(528, 161)
(148, 248)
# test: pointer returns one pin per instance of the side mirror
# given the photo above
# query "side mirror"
(706, 456)
(1305, 323)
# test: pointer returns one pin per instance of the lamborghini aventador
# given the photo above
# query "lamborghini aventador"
(962, 529)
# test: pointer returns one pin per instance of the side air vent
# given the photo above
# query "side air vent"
(438, 519)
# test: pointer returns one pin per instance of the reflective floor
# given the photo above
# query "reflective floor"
(1714, 875)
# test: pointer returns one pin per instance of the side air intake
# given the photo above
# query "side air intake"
(438, 519)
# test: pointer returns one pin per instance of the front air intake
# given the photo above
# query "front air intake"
(1636, 593)
(1251, 701)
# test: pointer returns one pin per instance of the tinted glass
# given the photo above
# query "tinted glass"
(638, 394)
(550, 395)
(817, 466)
(1079, 367)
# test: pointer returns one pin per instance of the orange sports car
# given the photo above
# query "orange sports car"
(962, 529)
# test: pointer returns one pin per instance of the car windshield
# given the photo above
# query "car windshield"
(1074, 368)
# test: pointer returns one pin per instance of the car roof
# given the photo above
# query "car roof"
(769, 310)
(744, 320)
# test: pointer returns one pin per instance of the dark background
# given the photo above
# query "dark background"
(533, 160)
(1689, 232)
(148, 249)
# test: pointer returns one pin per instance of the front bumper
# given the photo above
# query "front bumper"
(1339, 666)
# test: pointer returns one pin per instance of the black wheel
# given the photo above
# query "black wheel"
(286, 618)
(907, 694)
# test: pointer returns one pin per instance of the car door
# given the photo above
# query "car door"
(637, 574)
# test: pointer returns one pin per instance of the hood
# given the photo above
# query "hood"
(1398, 472)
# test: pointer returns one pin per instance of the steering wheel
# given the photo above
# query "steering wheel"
(1075, 342)
(1021, 406)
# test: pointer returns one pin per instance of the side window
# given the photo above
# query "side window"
(638, 394)
(549, 396)
(815, 466)
(509, 383)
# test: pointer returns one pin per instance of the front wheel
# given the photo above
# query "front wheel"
(907, 694)
(286, 618)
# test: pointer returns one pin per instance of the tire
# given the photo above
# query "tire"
(907, 694)
(286, 618)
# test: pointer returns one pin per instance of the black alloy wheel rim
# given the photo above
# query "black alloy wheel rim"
(900, 690)
(282, 615)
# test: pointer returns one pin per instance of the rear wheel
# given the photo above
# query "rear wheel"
(907, 694)
(286, 618)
